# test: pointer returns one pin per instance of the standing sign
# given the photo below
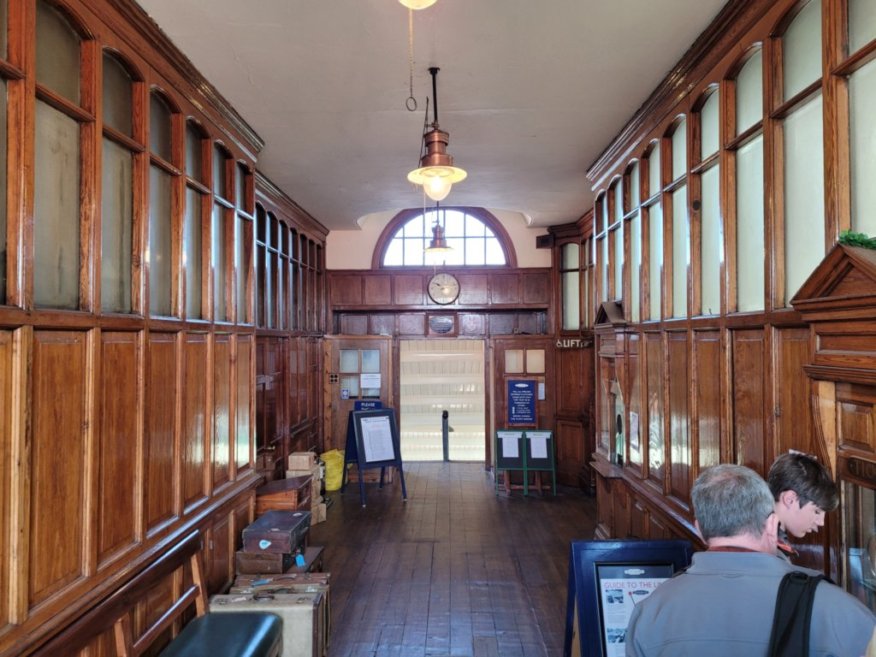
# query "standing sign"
(373, 442)
(521, 402)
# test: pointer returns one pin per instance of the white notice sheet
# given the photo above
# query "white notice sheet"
(509, 443)
(538, 443)
(377, 439)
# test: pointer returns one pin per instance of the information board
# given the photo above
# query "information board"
(521, 402)
(509, 449)
(373, 442)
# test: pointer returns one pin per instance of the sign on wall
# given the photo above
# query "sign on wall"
(521, 402)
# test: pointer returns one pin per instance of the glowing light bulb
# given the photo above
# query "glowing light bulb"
(437, 187)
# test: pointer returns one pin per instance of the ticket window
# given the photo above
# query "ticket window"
(859, 541)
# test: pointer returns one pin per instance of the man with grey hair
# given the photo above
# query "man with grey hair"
(722, 606)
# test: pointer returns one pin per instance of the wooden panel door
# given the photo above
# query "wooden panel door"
(356, 369)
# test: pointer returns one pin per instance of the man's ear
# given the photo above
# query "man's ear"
(772, 527)
(788, 498)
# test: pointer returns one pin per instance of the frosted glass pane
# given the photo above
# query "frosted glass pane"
(3, 142)
(862, 23)
(634, 185)
(220, 282)
(618, 261)
(159, 127)
(158, 256)
(351, 385)
(240, 187)
(618, 201)
(349, 360)
(605, 217)
(709, 123)
(603, 266)
(474, 251)
(680, 252)
(535, 361)
(862, 99)
(749, 93)
(710, 245)
(192, 250)
(56, 209)
(635, 264)
(801, 48)
(57, 53)
(570, 256)
(219, 160)
(194, 153)
(371, 360)
(655, 259)
(513, 361)
(679, 151)
(804, 194)
(654, 185)
(749, 227)
(116, 219)
(571, 304)
(4, 22)
(116, 95)
(242, 264)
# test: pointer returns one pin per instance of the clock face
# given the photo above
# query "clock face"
(443, 288)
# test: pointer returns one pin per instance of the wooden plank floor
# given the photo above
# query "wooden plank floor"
(455, 571)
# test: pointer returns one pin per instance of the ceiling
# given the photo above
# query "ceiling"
(530, 92)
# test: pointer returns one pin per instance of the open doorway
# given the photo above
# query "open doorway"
(437, 376)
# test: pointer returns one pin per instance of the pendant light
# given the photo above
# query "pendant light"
(417, 4)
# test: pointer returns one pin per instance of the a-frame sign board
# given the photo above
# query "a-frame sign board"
(373, 442)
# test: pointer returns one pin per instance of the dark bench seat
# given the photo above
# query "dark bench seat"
(244, 634)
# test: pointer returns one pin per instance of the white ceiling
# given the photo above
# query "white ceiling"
(530, 91)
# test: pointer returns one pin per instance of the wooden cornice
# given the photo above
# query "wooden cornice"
(266, 188)
(719, 37)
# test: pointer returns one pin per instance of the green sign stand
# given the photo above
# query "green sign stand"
(525, 451)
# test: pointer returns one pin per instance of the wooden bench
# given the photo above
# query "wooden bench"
(244, 634)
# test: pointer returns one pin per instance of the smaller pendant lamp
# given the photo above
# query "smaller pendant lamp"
(417, 4)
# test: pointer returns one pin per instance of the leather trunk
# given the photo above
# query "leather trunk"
(277, 531)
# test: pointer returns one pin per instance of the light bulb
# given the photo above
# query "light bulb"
(417, 4)
(437, 187)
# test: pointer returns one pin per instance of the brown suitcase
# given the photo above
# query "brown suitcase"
(289, 494)
(299, 587)
(262, 562)
(276, 531)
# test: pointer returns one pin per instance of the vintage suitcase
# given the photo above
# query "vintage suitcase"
(276, 531)
(289, 494)
(293, 587)
(262, 562)
(303, 615)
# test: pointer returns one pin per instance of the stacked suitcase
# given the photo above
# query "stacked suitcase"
(271, 543)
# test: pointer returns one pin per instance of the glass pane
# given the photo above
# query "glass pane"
(680, 252)
(192, 253)
(570, 256)
(571, 308)
(349, 360)
(495, 253)
(514, 361)
(474, 227)
(194, 153)
(709, 123)
(4, 23)
(219, 160)
(862, 23)
(351, 385)
(57, 53)
(618, 261)
(606, 220)
(749, 227)
(654, 185)
(635, 264)
(158, 256)
(535, 361)
(116, 95)
(679, 151)
(116, 224)
(240, 187)
(655, 259)
(862, 99)
(804, 194)
(242, 264)
(394, 254)
(371, 360)
(159, 127)
(414, 252)
(56, 209)
(454, 223)
(474, 251)
(2, 182)
(618, 201)
(801, 49)
(634, 185)
(749, 93)
(710, 245)
(220, 281)
(603, 268)
(416, 226)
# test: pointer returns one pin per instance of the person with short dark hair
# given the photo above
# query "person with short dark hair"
(803, 492)
(723, 604)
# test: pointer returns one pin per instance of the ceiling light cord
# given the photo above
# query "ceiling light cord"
(411, 102)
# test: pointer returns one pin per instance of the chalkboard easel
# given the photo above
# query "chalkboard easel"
(373, 442)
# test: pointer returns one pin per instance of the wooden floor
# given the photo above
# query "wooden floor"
(456, 570)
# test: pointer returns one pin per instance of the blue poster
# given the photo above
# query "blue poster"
(521, 402)
(368, 405)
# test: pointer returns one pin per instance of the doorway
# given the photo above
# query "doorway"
(437, 376)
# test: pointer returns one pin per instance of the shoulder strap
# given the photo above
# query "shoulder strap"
(790, 635)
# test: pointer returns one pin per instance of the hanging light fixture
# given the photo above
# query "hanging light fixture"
(417, 4)
(436, 172)
(438, 245)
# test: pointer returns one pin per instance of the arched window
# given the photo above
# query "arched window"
(475, 236)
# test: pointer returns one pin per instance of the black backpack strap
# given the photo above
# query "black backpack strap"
(790, 635)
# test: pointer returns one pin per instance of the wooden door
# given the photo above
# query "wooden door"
(356, 369)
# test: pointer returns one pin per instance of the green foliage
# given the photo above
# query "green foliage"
(850, 238)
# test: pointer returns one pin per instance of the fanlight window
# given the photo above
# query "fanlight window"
(472, 241)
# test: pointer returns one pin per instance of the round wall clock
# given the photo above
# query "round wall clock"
(443, 288)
